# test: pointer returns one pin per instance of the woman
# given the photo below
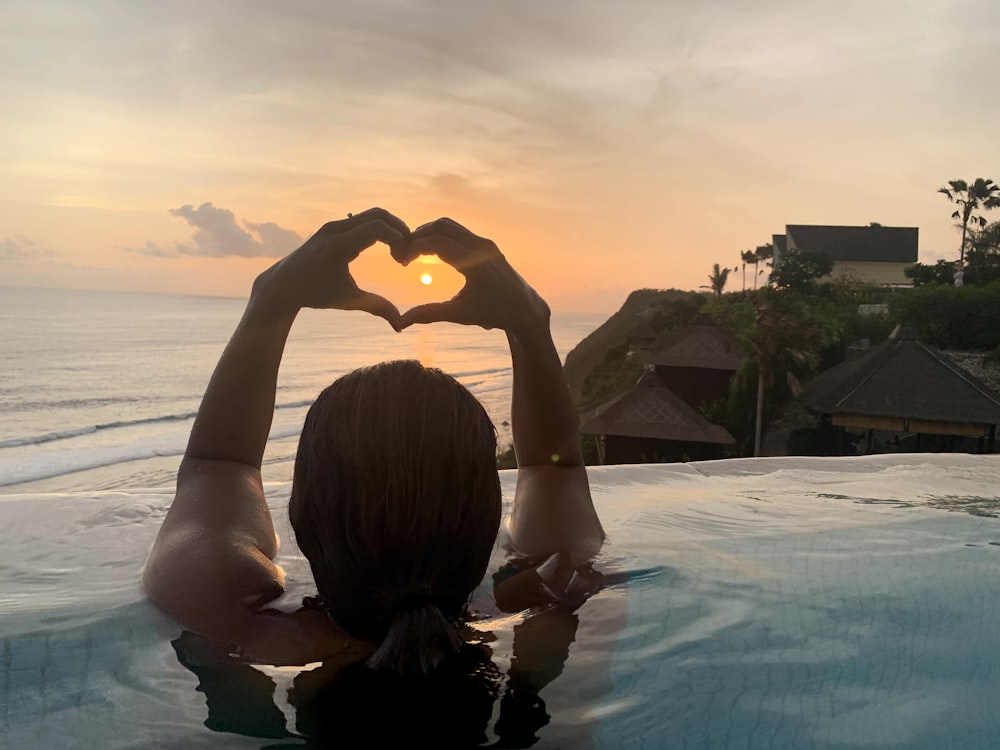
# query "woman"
(395, 499)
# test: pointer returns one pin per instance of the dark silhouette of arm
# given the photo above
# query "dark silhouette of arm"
(211, 565)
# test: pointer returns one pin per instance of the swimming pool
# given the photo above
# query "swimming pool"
(771, 603)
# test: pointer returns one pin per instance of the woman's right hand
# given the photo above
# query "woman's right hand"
(494, 295)
(317, 274)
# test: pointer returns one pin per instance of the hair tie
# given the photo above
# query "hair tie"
(416, 600)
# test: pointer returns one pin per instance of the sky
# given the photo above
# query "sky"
(181, 146)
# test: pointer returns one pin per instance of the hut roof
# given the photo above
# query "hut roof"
(651, 410)
(701, 344)
(903, 377)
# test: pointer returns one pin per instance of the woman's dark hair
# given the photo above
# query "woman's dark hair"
(396, 504)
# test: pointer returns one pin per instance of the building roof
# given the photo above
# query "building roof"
(903, 377)
(651, 410)
(778, 240)
(885, 244)
(701, 344)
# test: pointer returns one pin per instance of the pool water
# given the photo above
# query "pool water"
(754, 603)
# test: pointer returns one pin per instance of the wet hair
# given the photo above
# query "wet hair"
(396, 504)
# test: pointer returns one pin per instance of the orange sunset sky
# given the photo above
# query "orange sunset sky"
(179, 146)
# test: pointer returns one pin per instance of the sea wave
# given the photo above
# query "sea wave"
(56, 463)
(477, 373)
(44, 456)
(47, 437)
(50, 437)
(13, 403)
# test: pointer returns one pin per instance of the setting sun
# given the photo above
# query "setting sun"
(426, 279)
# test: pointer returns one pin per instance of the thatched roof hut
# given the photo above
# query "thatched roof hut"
(696, 362)
(701, 345)
(904, 385)
(650, 423)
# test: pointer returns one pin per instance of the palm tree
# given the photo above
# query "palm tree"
(747, 256)
(762, 253)
(717, 280)
(981, 194)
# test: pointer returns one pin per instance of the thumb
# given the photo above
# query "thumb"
(378, 306)
(434, 312)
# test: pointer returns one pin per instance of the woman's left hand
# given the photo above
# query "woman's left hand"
(317, 274)
(494, 295)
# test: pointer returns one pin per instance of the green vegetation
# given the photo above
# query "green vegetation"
(799, 269)
(789, 335)
(980, 195)
(921, 274)
(982, 262)
(952, 317)
(600, 357)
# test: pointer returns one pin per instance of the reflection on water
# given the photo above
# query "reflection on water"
(353, 707)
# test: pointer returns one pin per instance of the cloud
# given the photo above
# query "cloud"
(17, 249)
(218, 234)
(450, 183)
(273, 236)
(154, 250)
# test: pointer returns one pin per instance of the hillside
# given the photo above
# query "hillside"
(809, 333)
(595, 368)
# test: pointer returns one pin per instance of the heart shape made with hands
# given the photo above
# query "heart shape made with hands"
(375, 270)
(492, 295)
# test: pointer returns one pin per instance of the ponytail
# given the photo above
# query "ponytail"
(420, 639)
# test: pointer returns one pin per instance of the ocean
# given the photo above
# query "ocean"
(99, 389)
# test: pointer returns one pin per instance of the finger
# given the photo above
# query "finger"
(434, 231)
(373, 214)
(403, 253)
(376, 305)
(455, 231)
(357, 238)
(407, 253)
(434, 312)
(354, 221)
(459, 256)
(450, 241)
(455, 254)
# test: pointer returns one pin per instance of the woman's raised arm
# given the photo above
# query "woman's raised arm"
(553, 510)
(211, 565)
